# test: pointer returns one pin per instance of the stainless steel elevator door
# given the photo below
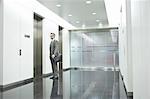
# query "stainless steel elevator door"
(37, 46)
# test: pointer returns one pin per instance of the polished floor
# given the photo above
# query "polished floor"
(72, 84)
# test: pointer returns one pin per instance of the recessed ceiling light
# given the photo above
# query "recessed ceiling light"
(77, 22)
(58, 5)
(97, 20)
(88, 2)
(70, 15)
(93, 13)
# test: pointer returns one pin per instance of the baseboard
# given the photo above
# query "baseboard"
(24, 82)
(16, 84)
(66, 69)
(129, 94)
(1, 88)
(50, 74)
(103, 68)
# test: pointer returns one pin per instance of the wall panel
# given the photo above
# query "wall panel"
(1, 42)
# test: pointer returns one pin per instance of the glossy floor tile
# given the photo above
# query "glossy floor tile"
(73, 84)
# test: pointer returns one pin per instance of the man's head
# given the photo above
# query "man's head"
(52, 35)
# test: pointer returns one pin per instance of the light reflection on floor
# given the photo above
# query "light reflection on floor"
(72, 84)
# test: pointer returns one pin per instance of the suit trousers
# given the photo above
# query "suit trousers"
(54, 66)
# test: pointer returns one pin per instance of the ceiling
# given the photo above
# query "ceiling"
(82, 15)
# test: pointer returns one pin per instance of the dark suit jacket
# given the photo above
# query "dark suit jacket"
(54, 48)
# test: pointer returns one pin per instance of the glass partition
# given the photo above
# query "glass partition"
(94, 47)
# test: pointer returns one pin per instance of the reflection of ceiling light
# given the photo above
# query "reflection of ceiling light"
(100, 24)
(70, 15)
(88, 2)
(58, 5)
(114, 35)
(93, 13)
(97, 20)
(77, 22)
(86, 37)
(83, 25)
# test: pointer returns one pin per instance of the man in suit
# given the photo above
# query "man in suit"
(54, 51)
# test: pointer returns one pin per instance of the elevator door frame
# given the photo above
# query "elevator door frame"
(38, 70)
(61, 45)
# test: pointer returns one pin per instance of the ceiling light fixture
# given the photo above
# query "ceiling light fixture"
(70, 15)
(58, 5)
(94, 13)
(88, 2)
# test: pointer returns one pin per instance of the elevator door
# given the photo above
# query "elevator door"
(37, 46)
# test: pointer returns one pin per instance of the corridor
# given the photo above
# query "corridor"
(101, 49)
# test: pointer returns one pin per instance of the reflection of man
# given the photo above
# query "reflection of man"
(57, 89)
(54, 51)
(54, 92)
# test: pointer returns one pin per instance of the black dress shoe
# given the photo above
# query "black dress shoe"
(52, 77)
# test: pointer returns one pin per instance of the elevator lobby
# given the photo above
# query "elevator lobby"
(103, 48)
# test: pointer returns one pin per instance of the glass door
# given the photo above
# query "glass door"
(94, 48)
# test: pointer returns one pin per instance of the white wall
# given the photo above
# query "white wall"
(113, 12)
(66, 49)
(123, 20)
(15, 67)
(141, 48)
(125, 45)
(1, 42)
(26, 44)
(129, 47)
(18, 21)
(11, 43)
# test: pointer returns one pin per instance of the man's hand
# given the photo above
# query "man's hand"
(53, 56)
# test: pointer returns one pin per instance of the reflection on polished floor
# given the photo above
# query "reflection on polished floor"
(72, 84)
